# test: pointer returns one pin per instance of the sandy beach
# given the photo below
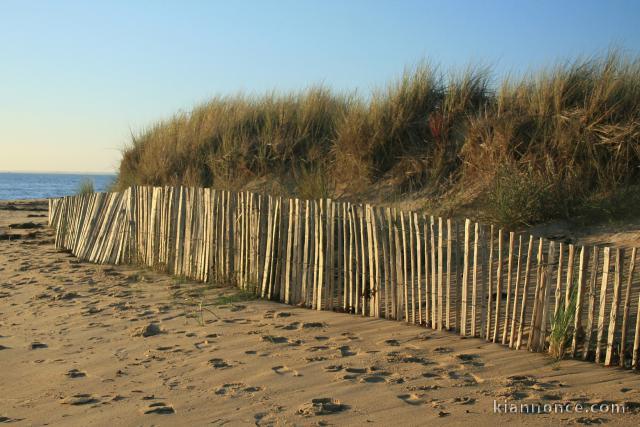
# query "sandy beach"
(84, 344)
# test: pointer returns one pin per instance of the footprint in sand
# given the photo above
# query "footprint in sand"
(322, 406)
(429, 387)
(202, 344)
(233, 307)
(91, 310)
(280, 340)
(237, 321)
(219, 363)
(171, 383)
(290, 326)
(79, 399)
(551, 396)
(470, 359)
(411, 399)
(36, 345)
(236, 389)
(314, 325)
(467, 378)
(374, 379)
(350, 336)
(172, 348)
(285, 370)
(591, 421)
(430, 375)
(315, 359)
(150, 330)
(283, 314)
(75, 373)
(464, 400)
(395, 357)
(159, 408)
(345, 351)
(376, 375)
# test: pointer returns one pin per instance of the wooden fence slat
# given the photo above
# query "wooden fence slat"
(399, 270)
(496, 322)
(602, 305)
(592, 303)
(345, 252)
(392, 265)
(372, 264)
(352, 261)
(418, 240)
(474, 280)
(625, 309)
(405, 265)
(577, 325)
(427, 256)
(548, 274)
(412, 266)
(489, 286)
(448, 293)
(434, 274)
(536, 300)
(613, 310)
(512, 334)
(636, 340)
(465, 281)
(320, 249)
(440, 275)
(289, 255)
(569, 285)
(558, 293)
(505, 329)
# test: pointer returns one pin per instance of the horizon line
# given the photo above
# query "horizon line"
(60, 172)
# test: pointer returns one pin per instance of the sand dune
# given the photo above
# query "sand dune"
(82, 344)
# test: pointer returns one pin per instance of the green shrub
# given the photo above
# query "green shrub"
(520, 198)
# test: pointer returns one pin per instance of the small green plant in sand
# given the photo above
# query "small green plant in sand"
(198, 299)
(85, 187)
(562, 326)
(519, 198)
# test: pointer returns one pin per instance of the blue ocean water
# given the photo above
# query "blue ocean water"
(16, 186)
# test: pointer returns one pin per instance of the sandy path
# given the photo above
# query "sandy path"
(71, 354)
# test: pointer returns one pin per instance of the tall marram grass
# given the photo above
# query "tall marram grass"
(542, 146)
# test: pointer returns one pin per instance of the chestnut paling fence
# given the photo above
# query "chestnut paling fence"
(465, 277)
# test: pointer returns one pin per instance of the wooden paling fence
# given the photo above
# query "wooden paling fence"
(466, 277)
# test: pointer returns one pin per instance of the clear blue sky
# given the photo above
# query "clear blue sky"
(77, 76)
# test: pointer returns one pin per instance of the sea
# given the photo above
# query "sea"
(18, 186)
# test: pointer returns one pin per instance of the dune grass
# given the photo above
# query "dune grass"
(85, 187)
(556, 143)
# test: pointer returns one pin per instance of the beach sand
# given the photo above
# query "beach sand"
(84, 344)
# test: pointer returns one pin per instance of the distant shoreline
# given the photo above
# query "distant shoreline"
(59, 173)
(29, 186)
